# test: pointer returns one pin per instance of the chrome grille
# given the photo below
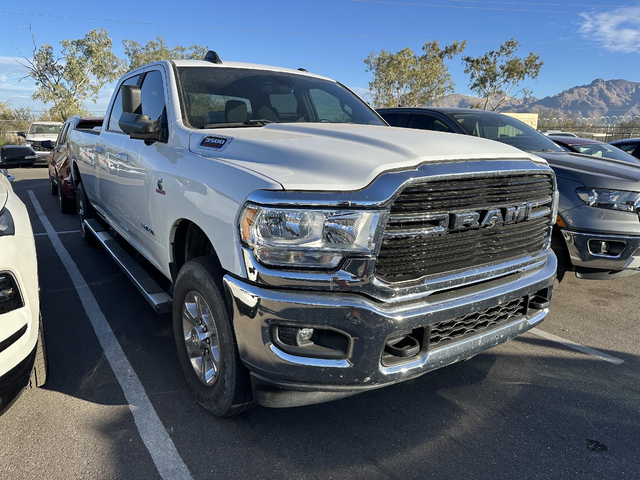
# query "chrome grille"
(417, 240)
(456, 329)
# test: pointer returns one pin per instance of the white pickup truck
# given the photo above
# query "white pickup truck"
(307, 250)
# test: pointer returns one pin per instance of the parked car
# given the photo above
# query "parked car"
(12, 156)
(40, 132)
(594, 148)
(558, 133)
(599, 198)
(629, 145)
(59, 166)
(22, 346)
(290, 232)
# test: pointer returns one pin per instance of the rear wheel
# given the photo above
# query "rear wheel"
(66, 205)
(84, 213)
(53, 186)
(205, 340)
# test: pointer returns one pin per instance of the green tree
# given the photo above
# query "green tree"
(409, 80)
(75, 74)
(13, 120)
(496, 75)
(155, 50)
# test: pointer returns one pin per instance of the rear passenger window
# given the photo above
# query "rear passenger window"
(395, 119)
(116, 111)
(627, 147)
(152, 95)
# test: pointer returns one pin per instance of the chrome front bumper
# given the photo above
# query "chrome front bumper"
(282, 379)
(583, 254)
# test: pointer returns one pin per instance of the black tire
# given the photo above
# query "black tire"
(40, 370)
(559, 247)
(231, 392)
(53, 186)
(66, 205)
(85, 212)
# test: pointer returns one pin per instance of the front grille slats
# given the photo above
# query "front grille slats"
(418, 242)
(458, 328)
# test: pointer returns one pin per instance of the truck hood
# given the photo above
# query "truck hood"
(39, 137)
(340, 157)
(596, 172)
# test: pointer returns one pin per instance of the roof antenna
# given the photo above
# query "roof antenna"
(212, 57)
(303, 69)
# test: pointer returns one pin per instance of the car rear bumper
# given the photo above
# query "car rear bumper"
(283, 379)
(619, 252)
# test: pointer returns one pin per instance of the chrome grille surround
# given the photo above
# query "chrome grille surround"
(357, 275)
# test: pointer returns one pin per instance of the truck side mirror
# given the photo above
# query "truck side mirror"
(132, 122)
(139, 126)
(48, 144)
(22, 134)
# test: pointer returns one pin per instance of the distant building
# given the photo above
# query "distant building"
(530, 119)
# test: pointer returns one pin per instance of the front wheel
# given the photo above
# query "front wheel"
(40, 370)
(84, 213)
(205, 340)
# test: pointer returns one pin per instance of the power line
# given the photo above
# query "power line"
(466, 7)
(581, 5)
(308, 34)
(275, 32)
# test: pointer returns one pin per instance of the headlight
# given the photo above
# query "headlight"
(9, 294)
(6, 223)
(611, 199)
(309, 238)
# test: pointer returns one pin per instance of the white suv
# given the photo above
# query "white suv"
(22, 347)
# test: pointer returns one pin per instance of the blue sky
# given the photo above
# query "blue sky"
(579, 40)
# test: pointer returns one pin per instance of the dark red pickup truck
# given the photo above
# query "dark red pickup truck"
(59, 166)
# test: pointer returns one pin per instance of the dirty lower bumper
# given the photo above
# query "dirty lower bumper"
(281, 379)
(14, 381)
(620, 252)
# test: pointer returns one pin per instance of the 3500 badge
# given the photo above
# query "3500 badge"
(217, 143)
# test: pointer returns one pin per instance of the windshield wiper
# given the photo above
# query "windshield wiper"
(258, 121)
(546, 150)
(261, 122)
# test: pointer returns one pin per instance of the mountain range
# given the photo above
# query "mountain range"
(599, 98)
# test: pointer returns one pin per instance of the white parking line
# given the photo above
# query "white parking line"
(154, 435)
(58, 233)
(576, 346)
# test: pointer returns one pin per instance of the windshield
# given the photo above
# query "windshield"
(43, 128)
(505, 129)
(236, 97)
(606, 151)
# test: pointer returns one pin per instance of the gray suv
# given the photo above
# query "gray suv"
(598, 225)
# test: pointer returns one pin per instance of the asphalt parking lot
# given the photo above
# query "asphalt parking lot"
(532, 408)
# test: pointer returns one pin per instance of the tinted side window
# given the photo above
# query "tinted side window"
(627, 147)
(422, 122)
(395, 119)
(152, 95)
(116, 111)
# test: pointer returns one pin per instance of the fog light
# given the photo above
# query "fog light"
(296, 337)
(303, 336)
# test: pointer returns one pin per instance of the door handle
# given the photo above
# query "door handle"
(98, 149)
